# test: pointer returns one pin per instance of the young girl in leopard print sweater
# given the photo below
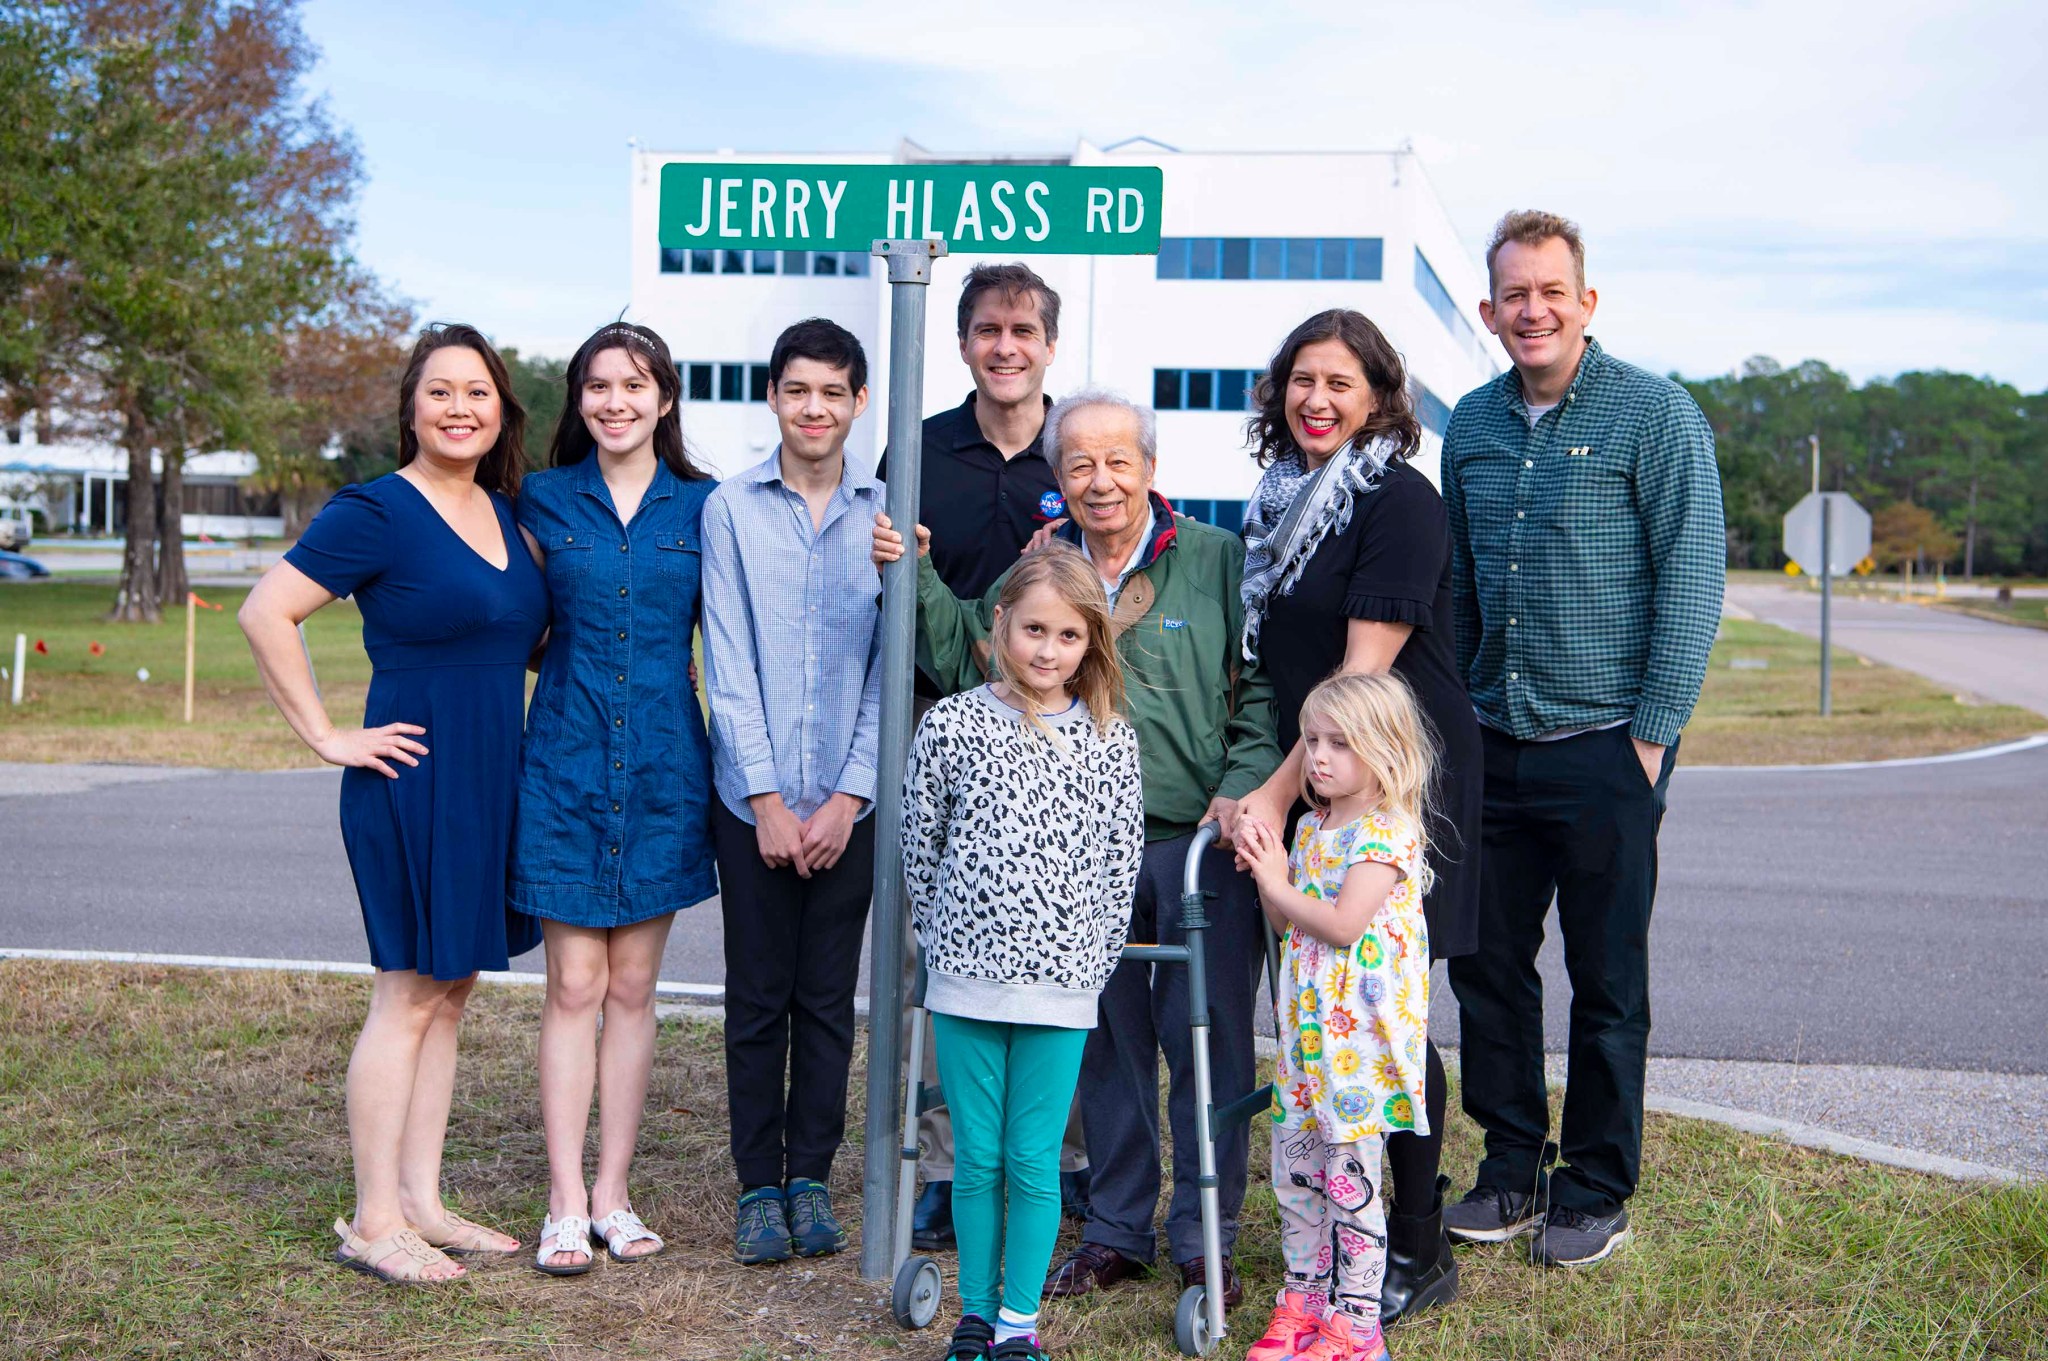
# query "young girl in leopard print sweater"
(1022, 832)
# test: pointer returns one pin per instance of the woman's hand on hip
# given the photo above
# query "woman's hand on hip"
(372, 748)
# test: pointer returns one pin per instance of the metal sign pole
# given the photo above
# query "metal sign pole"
(910, 273)
(1827, 576)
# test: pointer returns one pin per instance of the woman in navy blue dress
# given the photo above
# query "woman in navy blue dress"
(614, 832)
(452, 608)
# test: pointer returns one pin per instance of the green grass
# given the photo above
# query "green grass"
(172, 1151)
(82, 708)
(79, 707)
(2026, 611)
(1772, 716)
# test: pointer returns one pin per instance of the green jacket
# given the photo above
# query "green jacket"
(1204, 717)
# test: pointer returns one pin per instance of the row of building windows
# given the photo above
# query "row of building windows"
(1440, 301)
(679, 260)
(1231, 390)
(1222, 514)
(1269, 257)
(1203, 389)
(724, 382)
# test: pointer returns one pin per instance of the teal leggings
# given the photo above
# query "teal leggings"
(1009, 1087)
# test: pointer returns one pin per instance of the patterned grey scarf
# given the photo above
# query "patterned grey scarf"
(1290, 514)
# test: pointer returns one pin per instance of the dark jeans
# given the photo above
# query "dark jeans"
(1144, 1013)
(1574, 820)
(792, 959)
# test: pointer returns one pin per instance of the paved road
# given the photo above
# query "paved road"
(2001, 662)
(1894, 916)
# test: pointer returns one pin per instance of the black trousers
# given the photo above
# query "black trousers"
(1574, 820)
(1144, 1012)
(792, 960)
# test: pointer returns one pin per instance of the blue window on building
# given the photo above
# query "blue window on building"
(1222, 514)
(1269, 257)
(674, 260)
(1431, 411)
(824, 262)
(764, 261)
(700, 382)
(703, 262)
(854, 262)
(735, 262)
(732, 382)
(1440, 301)
(1203, 389)
(757, 382)
(1365, 257)
(796, 262)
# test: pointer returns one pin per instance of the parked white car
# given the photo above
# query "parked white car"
(16, 529)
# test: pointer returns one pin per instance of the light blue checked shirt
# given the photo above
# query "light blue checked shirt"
(792, 641)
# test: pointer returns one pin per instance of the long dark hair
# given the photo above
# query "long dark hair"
(650, 352)
(505, 461)
(1267, 432)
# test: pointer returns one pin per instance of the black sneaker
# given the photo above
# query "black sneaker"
(1026, 1348)
(1574, 1238)
(971, 1339)
(1489, 1214)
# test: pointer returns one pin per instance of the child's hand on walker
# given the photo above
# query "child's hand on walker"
(1259, 850)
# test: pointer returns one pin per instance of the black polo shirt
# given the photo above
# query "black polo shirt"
(980, 507)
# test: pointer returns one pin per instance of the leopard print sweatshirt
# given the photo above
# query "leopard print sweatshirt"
(1020, 858)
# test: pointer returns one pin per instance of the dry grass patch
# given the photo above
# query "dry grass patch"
(171, 1152)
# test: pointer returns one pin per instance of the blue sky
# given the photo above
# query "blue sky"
(1860, 183)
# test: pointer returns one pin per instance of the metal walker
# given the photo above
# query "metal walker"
(1198, 1323)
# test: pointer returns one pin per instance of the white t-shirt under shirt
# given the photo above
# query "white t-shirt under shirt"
(1536, 413)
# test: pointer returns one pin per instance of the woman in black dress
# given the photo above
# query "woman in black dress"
(1348, 568)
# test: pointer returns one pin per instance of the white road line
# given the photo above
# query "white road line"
(695, 992)
(1977, 754)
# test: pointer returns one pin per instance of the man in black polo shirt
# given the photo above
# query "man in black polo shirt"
(987, 489)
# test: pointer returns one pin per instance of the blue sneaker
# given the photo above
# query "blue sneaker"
(762, 1234)
(813, 1230)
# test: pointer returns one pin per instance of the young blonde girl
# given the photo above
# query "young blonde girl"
(1022, 834)
(1354, 1005)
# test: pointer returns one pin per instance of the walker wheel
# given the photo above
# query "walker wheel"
(1191, 1323)
(919, 1288)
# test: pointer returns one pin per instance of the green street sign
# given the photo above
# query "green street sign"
(978, 209)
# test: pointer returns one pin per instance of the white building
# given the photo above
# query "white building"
(1253, 243)
(81, 485)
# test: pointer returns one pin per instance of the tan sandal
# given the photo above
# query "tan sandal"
(461, 1237)
(401, 1258)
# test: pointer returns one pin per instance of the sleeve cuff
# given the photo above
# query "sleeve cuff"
(1657, 725)
(1388, 609)
(762, 780)
(857, 781)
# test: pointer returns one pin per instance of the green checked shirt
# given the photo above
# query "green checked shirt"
(1588, 553)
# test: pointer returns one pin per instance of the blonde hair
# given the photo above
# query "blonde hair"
(1098, 682)
(1383, 725)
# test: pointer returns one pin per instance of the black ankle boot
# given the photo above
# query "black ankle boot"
(1420, 1269)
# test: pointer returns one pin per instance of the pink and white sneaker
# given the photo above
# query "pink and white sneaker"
(1341, 1342)
(1294, 1329)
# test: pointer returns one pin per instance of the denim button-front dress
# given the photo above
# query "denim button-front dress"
(615, 780)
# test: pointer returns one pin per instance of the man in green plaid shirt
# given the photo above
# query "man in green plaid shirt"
(1588, 560)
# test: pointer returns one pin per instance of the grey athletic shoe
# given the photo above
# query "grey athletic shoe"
(1574, 1238)
(1489, 1214)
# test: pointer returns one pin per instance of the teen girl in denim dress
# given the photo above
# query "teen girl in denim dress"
(614, 835)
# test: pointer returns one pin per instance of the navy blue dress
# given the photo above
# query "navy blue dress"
(448, 637)
(615, 795)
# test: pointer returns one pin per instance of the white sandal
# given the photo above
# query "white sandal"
(621, 1229)
(570, 1233)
